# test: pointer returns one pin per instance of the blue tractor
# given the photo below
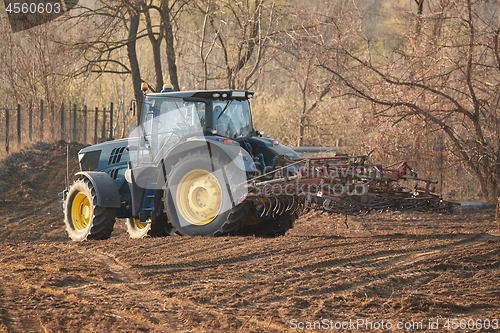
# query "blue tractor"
(183, 170)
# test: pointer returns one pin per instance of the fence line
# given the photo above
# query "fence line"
(71, 122)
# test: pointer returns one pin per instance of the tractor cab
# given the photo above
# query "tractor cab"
(172, 117)
(165, 121)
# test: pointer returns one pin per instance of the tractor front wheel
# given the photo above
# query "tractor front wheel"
(84, 219)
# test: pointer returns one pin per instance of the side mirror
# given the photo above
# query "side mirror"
(133, 106)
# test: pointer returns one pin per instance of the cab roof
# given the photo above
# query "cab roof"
(208, 94)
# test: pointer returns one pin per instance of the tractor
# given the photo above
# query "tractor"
(184, 170)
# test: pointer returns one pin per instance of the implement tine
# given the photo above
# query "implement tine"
(276, 210)
(270, 207)
(264, 206)
(289, 206)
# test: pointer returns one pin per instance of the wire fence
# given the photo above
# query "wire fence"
(49, 122)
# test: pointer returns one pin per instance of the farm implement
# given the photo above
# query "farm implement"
(348, 185)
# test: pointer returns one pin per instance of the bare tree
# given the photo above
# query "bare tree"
(170, 12)
(304, 47)
(451, 82)
(134, 20)
(100, 47)
(33, 62)
(234, 38)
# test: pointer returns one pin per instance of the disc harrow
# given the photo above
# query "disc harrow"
(348, 185)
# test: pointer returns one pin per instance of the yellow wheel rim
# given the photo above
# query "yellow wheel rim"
(81, 211)
(139, 225)
(199, 197)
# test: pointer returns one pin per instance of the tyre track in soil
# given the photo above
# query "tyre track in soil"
(11, 318)
(234, 257)
(400, 262)
(234, 243)
(366, 260)
(26, 317)
(188, 316)
(185, 252)
(128, 283)
(385, 258)
(185, 316)
(400, 266)
(181, 319)
(87, 295)
(358, 261)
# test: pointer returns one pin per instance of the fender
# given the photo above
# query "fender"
(239, 156)
(105, 188)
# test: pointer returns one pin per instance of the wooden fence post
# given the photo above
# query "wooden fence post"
(31, 121)
(95, 125)
(85, 124)
(103, 131)
(18, 123)
(41, 119)
(52, 123)
(111, 121)
(74, 122)
(6, 130)
(62, 121)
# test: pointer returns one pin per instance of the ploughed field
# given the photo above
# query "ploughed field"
(367, 273)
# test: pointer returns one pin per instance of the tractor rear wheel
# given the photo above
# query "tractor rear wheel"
(159, 228)
(84, 219)
(199, 199)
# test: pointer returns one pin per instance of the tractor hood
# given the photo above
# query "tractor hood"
(104, 155)
(269, 144)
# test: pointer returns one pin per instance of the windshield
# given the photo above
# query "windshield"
(165, 120)
(232, 118)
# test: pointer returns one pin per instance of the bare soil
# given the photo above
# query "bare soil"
(398, 269)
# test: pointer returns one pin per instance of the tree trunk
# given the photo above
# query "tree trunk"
(134, 63)
(303, 118)
(170, 49)
(156, 46)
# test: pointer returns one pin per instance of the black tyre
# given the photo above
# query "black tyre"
(268, 226)
(84, 219)
(158, 228)
(199, 199)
